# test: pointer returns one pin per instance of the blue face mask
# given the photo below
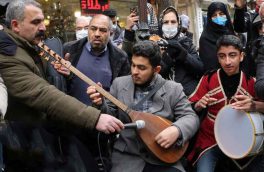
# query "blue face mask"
(221, 20)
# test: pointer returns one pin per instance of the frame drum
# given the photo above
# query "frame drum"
(238, 133)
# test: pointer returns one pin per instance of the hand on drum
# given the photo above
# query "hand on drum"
(244, 103)
(203, 102)
(168, 136)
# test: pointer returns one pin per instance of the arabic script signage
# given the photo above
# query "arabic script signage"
(94, 6)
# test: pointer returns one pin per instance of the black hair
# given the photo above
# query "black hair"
(149, 50)
(110, 13)
(229, 40)
(232, 40)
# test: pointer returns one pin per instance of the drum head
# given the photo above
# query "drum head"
(234, 132)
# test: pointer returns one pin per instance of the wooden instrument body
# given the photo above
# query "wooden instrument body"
(153, 123)
(153, 126)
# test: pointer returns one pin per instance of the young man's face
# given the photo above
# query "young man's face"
(32, 24)
(229, 58)
(141, 70)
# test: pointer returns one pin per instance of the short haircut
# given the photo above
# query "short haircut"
(149, 50)
(229, 40)
(109, 20)
(16, 10)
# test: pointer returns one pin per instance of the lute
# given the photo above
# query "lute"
(153, 124)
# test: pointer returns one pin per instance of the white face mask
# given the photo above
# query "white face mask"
(114, 26)
(169, 31)
(81, 34)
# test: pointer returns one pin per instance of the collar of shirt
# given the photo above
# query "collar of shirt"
(89, 48)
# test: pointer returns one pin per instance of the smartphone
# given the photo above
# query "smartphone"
(134, 10)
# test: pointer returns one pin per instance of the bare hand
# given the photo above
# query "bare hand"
(204, 101)
(244, 103)
(167, 137)
(240, 3)
(60, 68)
(109, 124)
(96, 97)
(132, 19)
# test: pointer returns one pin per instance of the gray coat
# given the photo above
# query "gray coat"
(169, 102)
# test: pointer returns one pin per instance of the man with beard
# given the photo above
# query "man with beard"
(101, 61)
(168, 101)
(37, 111)
(96, 57)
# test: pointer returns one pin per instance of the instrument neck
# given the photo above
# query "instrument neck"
(46, 50)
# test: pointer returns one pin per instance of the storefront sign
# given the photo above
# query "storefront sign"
(94, 6)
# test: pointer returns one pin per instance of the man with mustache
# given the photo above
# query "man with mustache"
(169, 101)
(37, 111)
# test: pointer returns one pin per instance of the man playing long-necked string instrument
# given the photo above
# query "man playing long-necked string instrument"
(129, 153)
(218, 88)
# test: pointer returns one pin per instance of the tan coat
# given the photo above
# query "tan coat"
(31, 97)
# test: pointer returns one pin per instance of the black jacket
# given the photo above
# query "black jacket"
(211, 33)
(184, 67)
(248, 22)
(180, 61)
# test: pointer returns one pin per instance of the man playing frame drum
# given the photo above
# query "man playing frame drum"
(216, 89)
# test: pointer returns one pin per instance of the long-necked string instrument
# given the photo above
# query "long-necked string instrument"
(153, 124)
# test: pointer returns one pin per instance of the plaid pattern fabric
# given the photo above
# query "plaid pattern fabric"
(139, 94)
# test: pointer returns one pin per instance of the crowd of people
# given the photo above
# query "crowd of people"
(67, 124)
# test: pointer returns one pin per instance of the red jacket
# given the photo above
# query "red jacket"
(206, 138)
